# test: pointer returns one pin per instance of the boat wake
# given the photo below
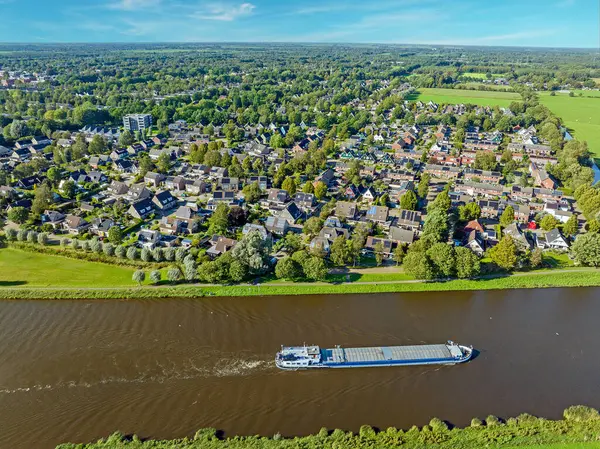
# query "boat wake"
(160, 374)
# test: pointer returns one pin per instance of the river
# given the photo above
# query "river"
(79, 370)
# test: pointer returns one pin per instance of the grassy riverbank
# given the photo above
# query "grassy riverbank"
(26, 275)
(579, 429)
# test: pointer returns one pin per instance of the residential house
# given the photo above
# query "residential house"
(164, 201)
(117, 188)
(138, 192)
(277, 225)
(475, 242)
(54, 218)
(520, 239)
(220, 245)
(555, 240)
(75, 225)
(101, 226)
(386, 244)
(408, 219)
(347, 210)
(291, 212)
(148, 238)
(306, 201)
(154, 179)
(378, 214)
(401, 235)
(141, 209)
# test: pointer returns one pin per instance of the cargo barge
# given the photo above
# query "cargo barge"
(307, 357)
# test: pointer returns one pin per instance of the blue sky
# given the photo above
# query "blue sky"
(542, 23)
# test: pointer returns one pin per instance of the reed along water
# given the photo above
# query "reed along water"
(79, 370)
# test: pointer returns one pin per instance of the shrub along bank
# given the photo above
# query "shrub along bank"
(579, 425)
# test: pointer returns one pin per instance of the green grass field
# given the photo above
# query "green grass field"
(580, 114)
(41, 270)
(592, 445)
(456, 96)
(480, 75)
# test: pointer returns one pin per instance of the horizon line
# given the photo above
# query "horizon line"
(592, 48)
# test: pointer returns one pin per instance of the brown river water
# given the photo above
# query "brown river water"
(79, 370)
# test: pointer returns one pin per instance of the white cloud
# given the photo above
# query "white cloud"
(224, 12)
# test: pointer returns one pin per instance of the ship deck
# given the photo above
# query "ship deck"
(386, 354)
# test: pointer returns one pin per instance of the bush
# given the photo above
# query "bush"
(121, 252)
(580, 413)
(491, 421)
(476, 422)
(32, 236)
(22, 235)
(75, 244)
(146, 255)
(437, 425)
(64, 242)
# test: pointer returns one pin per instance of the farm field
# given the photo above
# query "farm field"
(579, 114)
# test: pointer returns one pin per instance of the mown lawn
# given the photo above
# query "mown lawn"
(42, 270)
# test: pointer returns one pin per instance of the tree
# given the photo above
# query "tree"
(121, 252)
(218, 223)
(399, 254)
(507, 217)
(42, 238)
(470, 211)
(593, 226)
(252, 251)
(42, 199)
(126, 139)
(115, 235)
(423, 186)
(286, 268)
(238, 271)
(571, 227)
(443, 258)
(174, 274)
(139, 276)
(485, 160)
(435, 227)
(315, 269)
(379, 253)
(504, 254)
(146, 255)
(417, 263)
(69, 189)
(54, 174)
(312, 226)
(252, 192)
(108, 249)
(11, 234)
(586, 249)
(132, 253)
(340, 253)
(163, 164)
(467, 263)
(289, 185)
(308, 187)
(320, 190)
(536, 258)
(18, 215)
(442, 203)
(549, 223)
(409, 201)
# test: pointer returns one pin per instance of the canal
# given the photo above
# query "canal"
(79, 370)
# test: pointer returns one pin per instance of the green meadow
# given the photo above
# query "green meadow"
(580, 114)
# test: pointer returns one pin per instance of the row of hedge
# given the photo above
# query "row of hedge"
(579, 424)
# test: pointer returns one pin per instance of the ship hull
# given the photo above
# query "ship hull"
(467, 354)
